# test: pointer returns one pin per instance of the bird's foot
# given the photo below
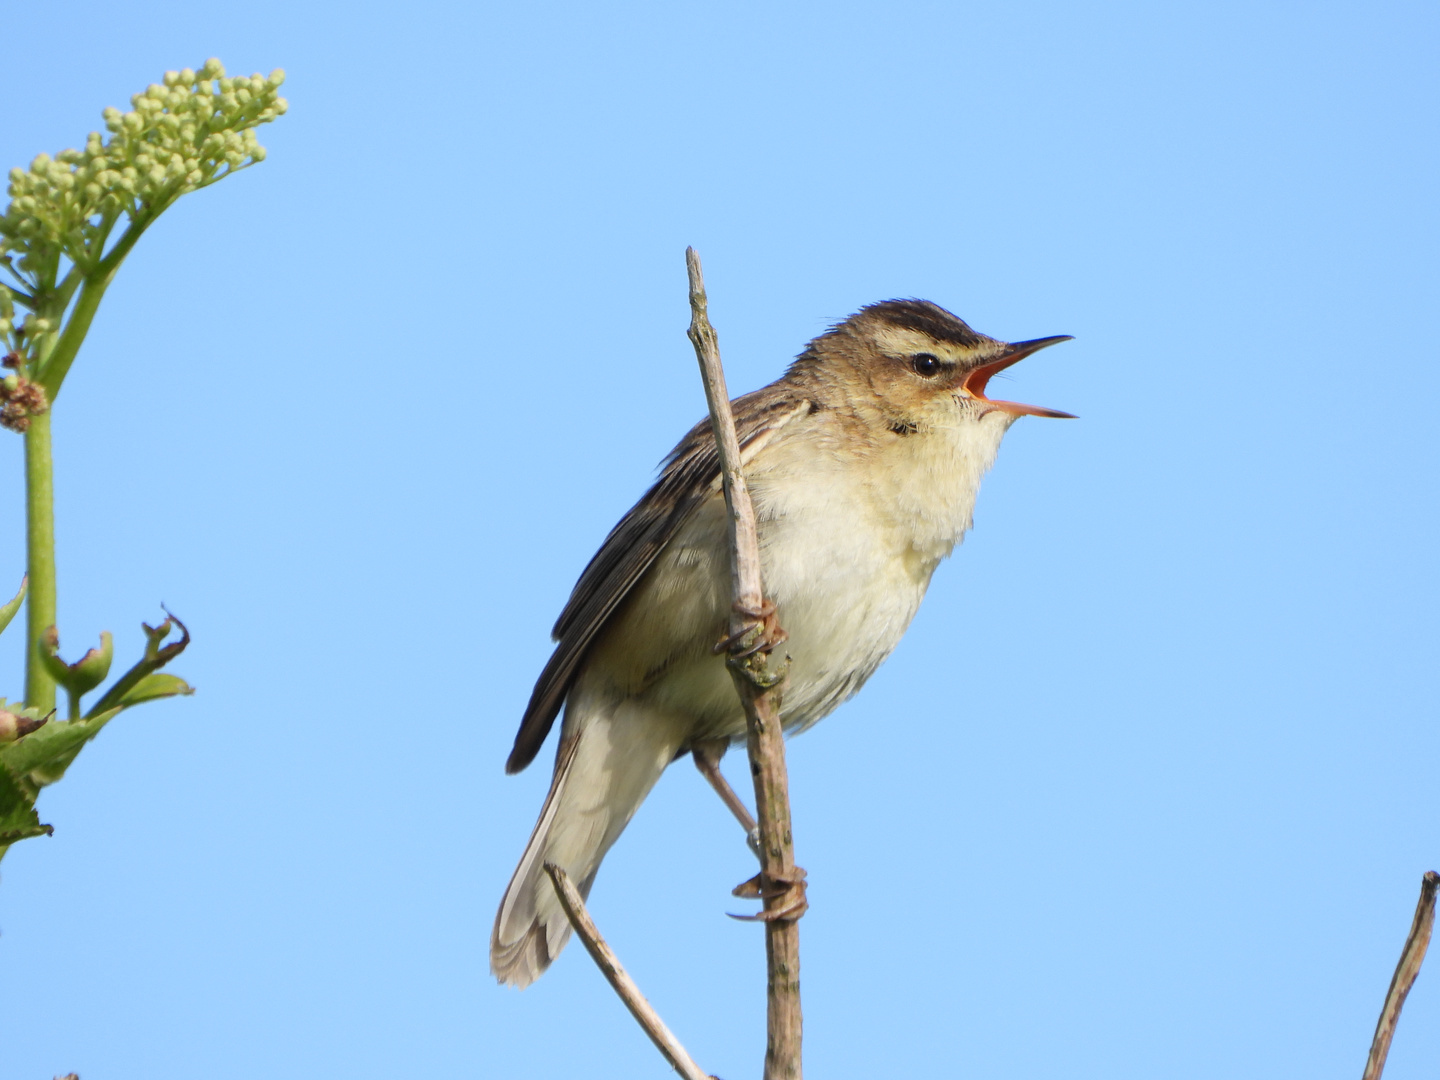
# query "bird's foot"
(762, 633)
(790, 885)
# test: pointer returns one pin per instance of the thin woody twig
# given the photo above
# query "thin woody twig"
(1405, 974)
(609, 965)
(752, 624)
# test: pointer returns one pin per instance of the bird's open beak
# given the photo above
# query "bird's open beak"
(976, 381)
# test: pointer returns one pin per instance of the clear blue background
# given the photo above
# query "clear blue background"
(1148, 788)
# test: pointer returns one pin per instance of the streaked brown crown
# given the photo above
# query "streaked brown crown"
(919, 315)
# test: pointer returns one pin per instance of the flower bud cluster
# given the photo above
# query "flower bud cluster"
(185, 133)
(20, 399)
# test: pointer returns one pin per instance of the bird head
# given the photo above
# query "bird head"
(914, 366)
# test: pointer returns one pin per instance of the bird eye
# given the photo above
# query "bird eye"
(925, 364)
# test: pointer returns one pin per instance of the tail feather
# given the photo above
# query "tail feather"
(606, 766)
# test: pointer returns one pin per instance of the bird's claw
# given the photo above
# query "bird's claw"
(762, 633)
(765, 886)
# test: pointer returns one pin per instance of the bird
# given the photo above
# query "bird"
(863, 462)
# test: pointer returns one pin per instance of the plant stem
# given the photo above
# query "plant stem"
(40, 552)
(781, 882)
(619, 980)
(57, 364)
(1406, 973)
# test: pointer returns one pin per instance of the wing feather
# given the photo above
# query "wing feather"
(687, 477)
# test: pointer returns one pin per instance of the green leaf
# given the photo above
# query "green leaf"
(8, 611)
(43, 756)
(155, 658)
(18, 819)
(154, 686)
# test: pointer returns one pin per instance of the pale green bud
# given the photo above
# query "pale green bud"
(187, 76)
(86, 673)
(276, 77)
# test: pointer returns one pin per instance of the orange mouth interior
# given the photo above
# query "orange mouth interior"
(976, 382)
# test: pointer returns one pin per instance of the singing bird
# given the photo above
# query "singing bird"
(863, 461)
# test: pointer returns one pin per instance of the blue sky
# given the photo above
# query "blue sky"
(1146, 790)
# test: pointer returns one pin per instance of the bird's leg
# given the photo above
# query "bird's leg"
(707, 754)
(761, 634)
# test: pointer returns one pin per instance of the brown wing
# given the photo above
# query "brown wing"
(686, 479)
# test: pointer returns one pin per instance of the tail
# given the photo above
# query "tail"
(607, 764)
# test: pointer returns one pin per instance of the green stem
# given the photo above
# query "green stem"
(40, 544)
(40, 468)
(57, 364)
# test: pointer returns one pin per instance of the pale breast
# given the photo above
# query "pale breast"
(842, 581)
(848, 547)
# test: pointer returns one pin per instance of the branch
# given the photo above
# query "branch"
(609, 965)
(753, 633)
(1405, 974)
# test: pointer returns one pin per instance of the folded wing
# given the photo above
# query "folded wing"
(688, 476)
